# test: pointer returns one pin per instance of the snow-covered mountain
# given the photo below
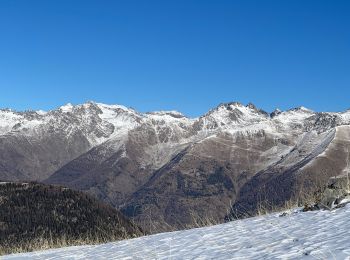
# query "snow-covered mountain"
(164, 169)
(293, 235)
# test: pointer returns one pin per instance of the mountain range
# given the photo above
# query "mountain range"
(167, 171)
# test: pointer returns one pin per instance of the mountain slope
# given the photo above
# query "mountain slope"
(35, 144)
(166, 170)
(35, 216)
(278, 183)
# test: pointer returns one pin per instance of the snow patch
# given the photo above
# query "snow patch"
(67, 108)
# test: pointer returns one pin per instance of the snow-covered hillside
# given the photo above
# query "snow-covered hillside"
(295, 235)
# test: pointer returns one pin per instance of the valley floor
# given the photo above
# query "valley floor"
(296, 235)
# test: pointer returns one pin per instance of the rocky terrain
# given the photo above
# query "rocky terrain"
(168, 171)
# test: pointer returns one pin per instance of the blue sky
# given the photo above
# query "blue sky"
(185, 55)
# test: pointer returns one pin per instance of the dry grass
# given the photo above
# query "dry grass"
(44, 243)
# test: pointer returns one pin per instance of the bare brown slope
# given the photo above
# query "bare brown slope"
(299, 181)
(113, 174)
(334, 161)
(201, 182)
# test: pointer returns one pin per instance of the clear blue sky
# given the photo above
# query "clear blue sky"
(184, 55)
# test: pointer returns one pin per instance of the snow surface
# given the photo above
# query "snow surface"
(345, 116)
(293, 235)
(67, 108)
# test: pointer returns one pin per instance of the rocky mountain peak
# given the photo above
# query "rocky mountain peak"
(252, 106)
(171, 113)
(302, 110)
(276, 112)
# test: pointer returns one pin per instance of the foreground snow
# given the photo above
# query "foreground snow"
(310, 235)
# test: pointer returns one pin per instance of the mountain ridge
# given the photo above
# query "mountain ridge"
(113, 152)
(71, 105)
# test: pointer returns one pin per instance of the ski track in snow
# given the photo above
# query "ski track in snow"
(298, 235)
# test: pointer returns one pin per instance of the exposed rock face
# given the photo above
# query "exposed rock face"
(164, 169)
